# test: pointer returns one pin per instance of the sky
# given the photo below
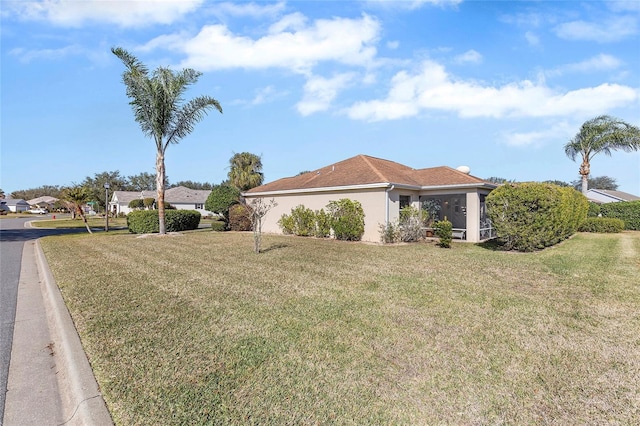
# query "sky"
(498, 86)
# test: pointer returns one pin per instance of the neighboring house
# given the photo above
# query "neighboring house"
(180, 197)
(15, 205)
(44, 202)
(601, 196)
(384, 187)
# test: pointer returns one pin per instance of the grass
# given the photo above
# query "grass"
(197, 329)
(94, 222)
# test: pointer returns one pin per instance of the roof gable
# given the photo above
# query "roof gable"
(366, 170)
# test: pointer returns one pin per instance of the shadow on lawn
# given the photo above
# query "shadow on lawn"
(493, 245)
(274, 247)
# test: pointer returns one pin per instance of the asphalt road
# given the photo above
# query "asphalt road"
(13, 235)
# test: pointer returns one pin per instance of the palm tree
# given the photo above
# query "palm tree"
(246, 171)
(601, 134)
(76, 197)
(158, 107)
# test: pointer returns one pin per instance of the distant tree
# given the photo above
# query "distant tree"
(246, 171)
(141, 182)
(558, 182)
(599, 182)
(222, 197)
(603, 134)
(95, 186)
(1, 194)
(303, 172)
(499, 180)
(77, 196)
(29, 194)
(193, 185)
(158, 107)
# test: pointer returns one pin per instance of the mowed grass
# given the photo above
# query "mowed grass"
(197, 329)
(94, 222)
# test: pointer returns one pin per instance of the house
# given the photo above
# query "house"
(384, 187)
(44, 202)
(601, 196)
(182, 198)
(15, 205)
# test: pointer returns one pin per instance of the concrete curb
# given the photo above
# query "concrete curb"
(82, 402)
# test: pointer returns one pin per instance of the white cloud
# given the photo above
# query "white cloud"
(28, 55)
(319, 92)
(133, 13)
(290, 44)
(561, 130)
(532, 38)
(601, 62)
(609, 30)
(468, 57)
(412, 4)
(393, 45)
(253, 10)
(432, 88)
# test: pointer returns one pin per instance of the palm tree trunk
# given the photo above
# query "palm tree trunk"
(84, 218)
(585, 169)
(160, 177)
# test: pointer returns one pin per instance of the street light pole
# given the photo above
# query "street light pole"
(106, 206)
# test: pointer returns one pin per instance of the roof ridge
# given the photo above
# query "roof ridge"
(377, 172)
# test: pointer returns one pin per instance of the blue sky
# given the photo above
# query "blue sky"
(497, 86)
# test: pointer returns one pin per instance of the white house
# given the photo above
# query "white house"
(601, 196)
(182, 198)
(15, 205)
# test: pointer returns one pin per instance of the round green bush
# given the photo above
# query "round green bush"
(347, 219)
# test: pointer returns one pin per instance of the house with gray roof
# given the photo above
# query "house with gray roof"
(15, 205)
(601, 196)
(182, 198)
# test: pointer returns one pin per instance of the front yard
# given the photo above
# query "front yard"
(198, 329)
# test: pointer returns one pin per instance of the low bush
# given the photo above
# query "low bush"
(347, 219)
(218, 226)
(147, 222)
(410, 225)
(602, 225)
(148, 202)
(627, 211)
(322, 224)
(287, 224)
(389, 233)
(594, 209)
(136, 204)
(239, 218)
(304, 221)
(443, 229)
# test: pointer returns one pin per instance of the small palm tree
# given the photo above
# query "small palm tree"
(601, 134)
(77, 196)
(246, 171)
(158, 107)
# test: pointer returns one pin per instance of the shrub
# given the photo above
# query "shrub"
(443, 229)
(322, 224)
(410, 224)
(136, 204)
(221, 198)
(594, 209)
(287, 224)
(239, 218)
(148, 202)
(627, 211)
(146, 221)
(304, 221)
(530, 216)
(389, 233)
(602, 224)
(347, 219)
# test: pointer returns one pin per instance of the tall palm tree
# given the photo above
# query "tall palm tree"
(246, 171)
(76, 197)
(158, 107)
(601, 134)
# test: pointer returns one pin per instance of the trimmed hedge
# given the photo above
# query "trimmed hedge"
(602, 224)
(345, 217)
(627, 211)
(146, 221)
(531, 216)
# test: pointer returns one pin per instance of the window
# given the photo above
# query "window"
(199, 206)
(405, 200)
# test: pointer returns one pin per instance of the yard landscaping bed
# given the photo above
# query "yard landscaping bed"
(198, 329)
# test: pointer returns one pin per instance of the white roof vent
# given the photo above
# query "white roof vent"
(464, 169)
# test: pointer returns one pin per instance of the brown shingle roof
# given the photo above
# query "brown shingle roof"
(366, 170)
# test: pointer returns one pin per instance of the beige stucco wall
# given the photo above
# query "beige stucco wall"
(377, 207)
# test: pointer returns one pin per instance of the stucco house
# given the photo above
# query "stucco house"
(601, 196)
(383, 187)
(182, 198)
(44, 202)
(15, 205)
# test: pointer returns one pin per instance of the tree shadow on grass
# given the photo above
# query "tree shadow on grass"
(493, 245)
(274, 247)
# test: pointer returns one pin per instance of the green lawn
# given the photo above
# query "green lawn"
(197, 329)
(94, 222)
